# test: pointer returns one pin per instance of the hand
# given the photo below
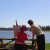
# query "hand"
(28, 35)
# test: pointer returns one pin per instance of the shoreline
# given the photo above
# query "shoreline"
(46, 30)
(12, 30)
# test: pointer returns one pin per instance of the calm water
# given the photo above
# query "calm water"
(10, 34)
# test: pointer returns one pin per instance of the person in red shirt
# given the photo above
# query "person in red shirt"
(21, 37)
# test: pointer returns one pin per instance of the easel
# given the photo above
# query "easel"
(16, 29)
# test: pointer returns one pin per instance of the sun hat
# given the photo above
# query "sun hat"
(23, 28)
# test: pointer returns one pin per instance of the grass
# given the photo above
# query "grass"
(47, 46)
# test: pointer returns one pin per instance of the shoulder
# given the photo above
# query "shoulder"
(35, 26)
(25, 33)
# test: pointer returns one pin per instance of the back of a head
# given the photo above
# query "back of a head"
(30, 22)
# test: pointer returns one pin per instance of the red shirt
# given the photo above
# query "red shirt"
(21, 37)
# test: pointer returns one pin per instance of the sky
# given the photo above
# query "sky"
(23, 10)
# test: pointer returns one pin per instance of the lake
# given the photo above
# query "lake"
(10, 34)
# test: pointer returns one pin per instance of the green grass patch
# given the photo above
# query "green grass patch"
(47, 46)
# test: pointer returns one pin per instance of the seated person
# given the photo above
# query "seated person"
(21, 37)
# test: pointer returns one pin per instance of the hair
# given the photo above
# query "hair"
(30, 22)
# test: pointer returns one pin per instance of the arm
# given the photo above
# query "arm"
(33, 35)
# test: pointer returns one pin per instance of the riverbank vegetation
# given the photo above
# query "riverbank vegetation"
(45, 28)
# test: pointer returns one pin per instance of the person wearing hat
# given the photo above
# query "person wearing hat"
(39, 34)
(21, 37)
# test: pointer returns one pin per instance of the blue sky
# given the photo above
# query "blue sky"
(23, 10)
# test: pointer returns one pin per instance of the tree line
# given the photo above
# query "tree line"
(45, 27)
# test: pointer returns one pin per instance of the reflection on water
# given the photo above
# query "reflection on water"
(10, 34)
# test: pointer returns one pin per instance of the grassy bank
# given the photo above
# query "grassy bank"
(47, 46)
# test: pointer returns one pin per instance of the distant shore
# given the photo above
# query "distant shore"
(10, 29)
(7, 29)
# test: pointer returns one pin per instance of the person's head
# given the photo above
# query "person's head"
(30, 22)
(23, 28)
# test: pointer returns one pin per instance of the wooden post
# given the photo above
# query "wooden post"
(1, 42)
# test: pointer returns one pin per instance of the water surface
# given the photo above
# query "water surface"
(10, 34)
